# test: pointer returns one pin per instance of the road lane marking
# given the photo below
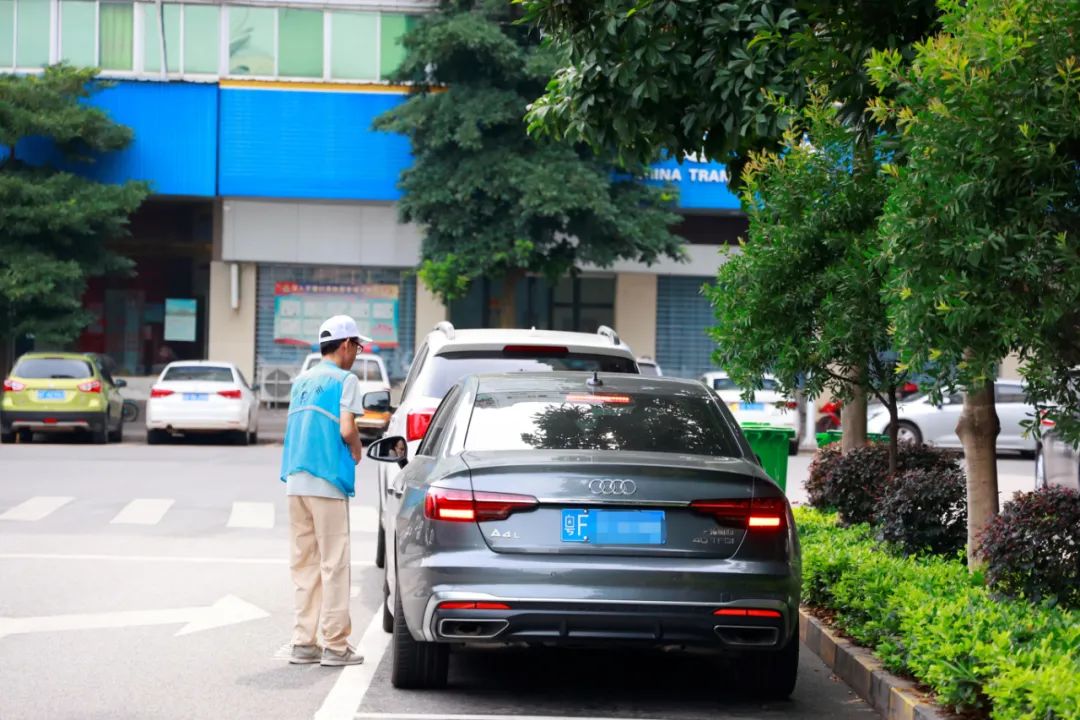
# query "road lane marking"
(444, 716)
(344, 698)
(229, 610)
(144, 511)
(252, 515)
(35, 508)
(363, 518)
(162, 558)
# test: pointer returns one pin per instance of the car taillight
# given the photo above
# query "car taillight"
(160, 392)
(456, 605)
(13, 385)
(747, 612)
(416, 424)
(466, 506)
(231, 394)
(1044, 419)
(756, 513)
(94, 386)
(791, 405)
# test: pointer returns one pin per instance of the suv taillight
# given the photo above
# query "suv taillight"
(13, 385)
(417, 422)
(160, 392)
(231, 394)
(756, 513)
(465, 506)
(94, 386)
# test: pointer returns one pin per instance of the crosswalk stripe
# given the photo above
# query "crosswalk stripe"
(363, 518)
(251, 515)
(35, 508)
(144, 511)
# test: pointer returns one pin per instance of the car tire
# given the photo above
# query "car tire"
(253, 437)
(913, 434)
(793, 447)
(241, 437)
(772, 675)
(387, 616)
(7, 438)
(101, 437)
(416, 665)
(155, 437)
(117, 435)
(380, 547)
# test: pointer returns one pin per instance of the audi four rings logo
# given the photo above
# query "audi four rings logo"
(612, 487)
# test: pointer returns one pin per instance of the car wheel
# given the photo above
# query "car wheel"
(155, 437)
(1040, 469)
(117, 435)
(387, 617)
(793, 447)
(241, 437)
(416, 665)
(907, 432)
(7, 438)
(380, 547)
(100, 437)
(772, 675)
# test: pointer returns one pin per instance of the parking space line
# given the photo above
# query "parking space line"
(444, 716)
(252, 515)
(143, 511)
(363, 518)
(344, 699)
(35, 508)
(164, 558)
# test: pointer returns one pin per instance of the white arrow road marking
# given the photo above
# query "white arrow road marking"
(144, 511)
(35, 508)
(252, 515)
(229, 610)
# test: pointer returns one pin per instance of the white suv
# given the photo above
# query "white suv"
(447, 355)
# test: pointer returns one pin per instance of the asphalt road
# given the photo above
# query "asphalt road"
(151, 582)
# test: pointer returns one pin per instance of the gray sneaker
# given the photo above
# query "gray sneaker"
(304, 654)
(334, 659)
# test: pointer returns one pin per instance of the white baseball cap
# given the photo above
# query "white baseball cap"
(340, 327)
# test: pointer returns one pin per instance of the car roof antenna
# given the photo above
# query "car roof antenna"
(595, 380)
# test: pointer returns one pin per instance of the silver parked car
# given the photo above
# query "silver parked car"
(587, 509)
(920, 420)
(1057, 462)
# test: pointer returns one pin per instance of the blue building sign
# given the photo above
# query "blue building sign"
(701, 185)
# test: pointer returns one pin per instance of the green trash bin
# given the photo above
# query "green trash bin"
(771, 444)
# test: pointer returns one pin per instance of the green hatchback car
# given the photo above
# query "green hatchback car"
(61, 392)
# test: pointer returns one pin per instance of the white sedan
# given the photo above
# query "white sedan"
(202, 397)
(370, 370)
(768, 405)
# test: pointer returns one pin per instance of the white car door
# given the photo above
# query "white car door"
(1012, 410)
(937, 423)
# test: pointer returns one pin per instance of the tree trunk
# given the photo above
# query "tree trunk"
(978, 430)
(507, 315)
(894, 431)
(853, 416)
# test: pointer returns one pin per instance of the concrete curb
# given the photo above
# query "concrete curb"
(894, 698)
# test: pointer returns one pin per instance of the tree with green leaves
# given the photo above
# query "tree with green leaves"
(801, 297)
(982, 228)
(55, 224)
(491, 201)
(697, 77)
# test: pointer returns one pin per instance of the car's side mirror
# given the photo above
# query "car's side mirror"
(389, 449)
(120, 383)
(378, 401)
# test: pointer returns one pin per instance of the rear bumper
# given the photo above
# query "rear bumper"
(38, 421)
(211, 420)
(604, 624)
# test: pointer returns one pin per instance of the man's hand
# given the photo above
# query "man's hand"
(350, 435)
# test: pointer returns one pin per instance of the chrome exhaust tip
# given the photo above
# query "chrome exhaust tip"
(747, 636)
(471, 629)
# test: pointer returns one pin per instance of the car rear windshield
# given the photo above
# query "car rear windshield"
(53, 368)
(202, 373)
(449, 367)
(729, 384)
(645, 422)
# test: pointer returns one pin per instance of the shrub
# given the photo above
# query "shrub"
(928, 617)
(1032, 548)
(927, 457)
(855, 481)
(817, 481)
(925, 510)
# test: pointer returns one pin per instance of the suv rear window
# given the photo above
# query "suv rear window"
(202, 373)
(644, 422)
(723, 383)
(53, 368)
(449, 367)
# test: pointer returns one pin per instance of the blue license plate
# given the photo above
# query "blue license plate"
(614, 527)
(751, 406)
(196, 396)
(50, 394)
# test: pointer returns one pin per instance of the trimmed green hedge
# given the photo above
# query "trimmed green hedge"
(929, 618)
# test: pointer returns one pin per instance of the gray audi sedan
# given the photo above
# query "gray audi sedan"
(587, 510)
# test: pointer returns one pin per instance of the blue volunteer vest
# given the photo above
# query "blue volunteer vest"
(313, 441)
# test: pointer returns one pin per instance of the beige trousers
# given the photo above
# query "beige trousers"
(321, 570)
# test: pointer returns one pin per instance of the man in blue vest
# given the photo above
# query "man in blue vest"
(318, 467)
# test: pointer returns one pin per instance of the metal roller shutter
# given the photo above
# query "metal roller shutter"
(683, 315)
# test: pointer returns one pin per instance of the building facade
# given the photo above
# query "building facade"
(274, 201)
